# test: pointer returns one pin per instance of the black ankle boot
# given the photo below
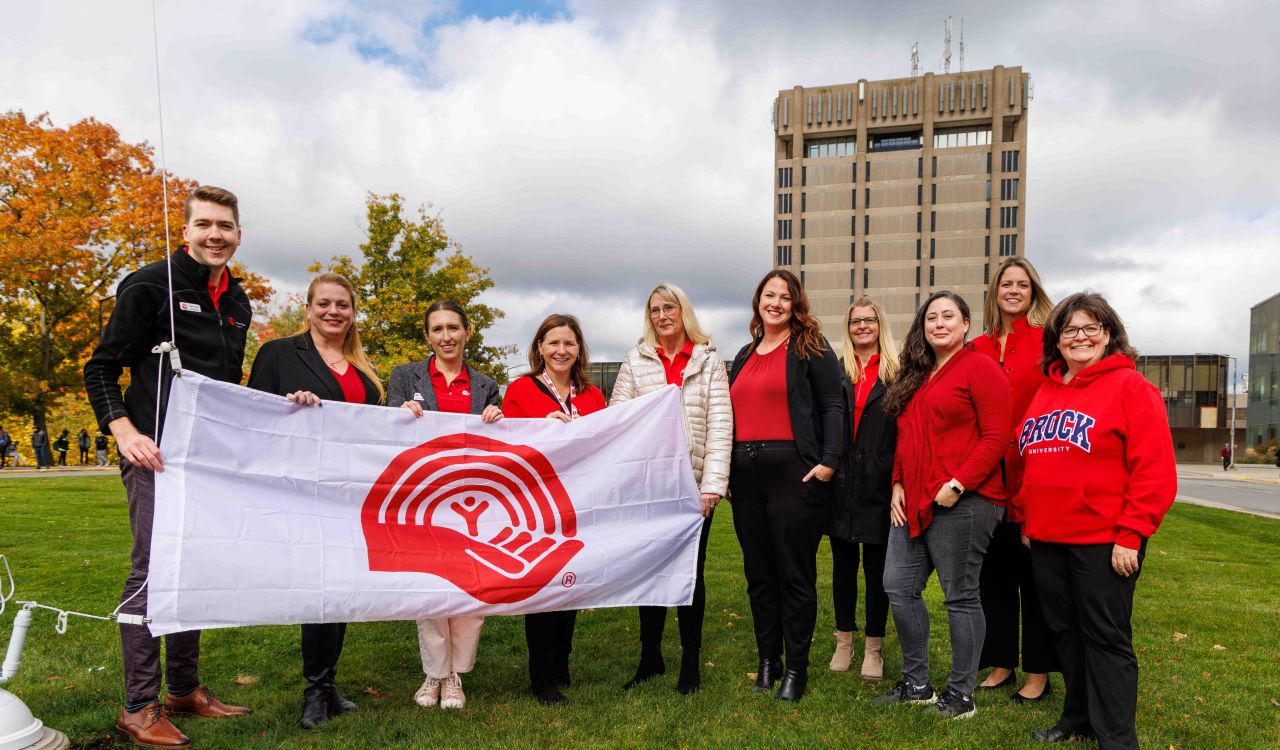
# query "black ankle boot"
(315, 705)
(651, 665)
(793, 685)
(548, 694)
(337, 704)
(768, 674)
(690, 673)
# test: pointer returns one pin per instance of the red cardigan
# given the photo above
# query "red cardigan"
(1098, 457)
(525, 399)
(956, 425)
(1023, 349)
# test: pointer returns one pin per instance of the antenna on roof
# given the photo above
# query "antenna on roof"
(961, 44)
(946, 46)
(915, 59)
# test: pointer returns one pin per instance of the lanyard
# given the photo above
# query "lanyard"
(566, 405)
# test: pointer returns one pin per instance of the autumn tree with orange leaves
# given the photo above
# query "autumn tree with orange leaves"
(79, 208)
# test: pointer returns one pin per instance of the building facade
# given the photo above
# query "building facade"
(1194, 388)
(1264, 373)
(900, 187)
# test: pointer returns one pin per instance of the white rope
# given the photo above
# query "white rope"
(9, 574)
(172, 343)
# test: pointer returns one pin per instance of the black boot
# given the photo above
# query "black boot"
(547, 693)
(770, 671)
(315, 704)
(651, 665)
(337, 704)
(690, 673)
(793, 684)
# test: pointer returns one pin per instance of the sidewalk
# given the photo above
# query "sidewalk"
(23, 472)
(1261, 473)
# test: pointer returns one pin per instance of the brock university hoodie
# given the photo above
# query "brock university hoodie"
(1097, 457)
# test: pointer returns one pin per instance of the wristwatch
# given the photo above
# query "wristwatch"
(955, 487)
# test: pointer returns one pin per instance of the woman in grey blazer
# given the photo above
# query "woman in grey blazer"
(445, 382)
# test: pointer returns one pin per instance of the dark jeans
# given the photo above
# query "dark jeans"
(844, 586)
(1089, 609)
(653, 620)
(954, 544)
(84, 456)
(42, 456)
(549, 636)
(779, 519)
(141, 650)
(1009, 589)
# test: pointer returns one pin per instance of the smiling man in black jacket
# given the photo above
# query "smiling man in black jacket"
(210, 316)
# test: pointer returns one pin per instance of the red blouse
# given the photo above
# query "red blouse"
(862, 388)
(759, 397)
(525, 399)
(454, 397)
(352, 386)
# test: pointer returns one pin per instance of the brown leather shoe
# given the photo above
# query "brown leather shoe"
(150, 727)
(200, 702)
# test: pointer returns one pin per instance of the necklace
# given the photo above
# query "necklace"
(334, 362)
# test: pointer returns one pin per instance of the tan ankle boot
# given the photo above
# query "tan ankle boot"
(843, 656)
(872, 661)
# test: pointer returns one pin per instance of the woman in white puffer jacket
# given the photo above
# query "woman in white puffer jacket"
(675, 351)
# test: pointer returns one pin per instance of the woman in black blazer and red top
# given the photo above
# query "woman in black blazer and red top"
(860, 514)
(326, 362)
(557, 387)
(788, 433)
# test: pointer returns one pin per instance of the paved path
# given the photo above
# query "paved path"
(1247, 488)
(57, 471)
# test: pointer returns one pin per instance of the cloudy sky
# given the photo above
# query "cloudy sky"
(585, 150)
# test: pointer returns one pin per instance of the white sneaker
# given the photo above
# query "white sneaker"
(429, 694)
(451, 695)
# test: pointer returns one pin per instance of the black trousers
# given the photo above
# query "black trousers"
(844, 586)
(1089, 609)
(1008, 590)
(549, 636)
(779, 519)
(653, 620)
(321, 647)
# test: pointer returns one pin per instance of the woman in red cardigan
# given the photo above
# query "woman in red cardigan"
(1014, 315)
(1099, 475)
(556, 387)
(953, 423)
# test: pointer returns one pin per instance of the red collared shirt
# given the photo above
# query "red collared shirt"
(674, 367)
(454, 397)
(216, 288)
(862, 388)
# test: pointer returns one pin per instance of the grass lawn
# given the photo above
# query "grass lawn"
(1206, 632)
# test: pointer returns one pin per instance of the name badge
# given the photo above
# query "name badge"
(418, 396)
(189, 306)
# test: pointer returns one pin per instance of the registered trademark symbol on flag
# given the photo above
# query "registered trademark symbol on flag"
(568, 579)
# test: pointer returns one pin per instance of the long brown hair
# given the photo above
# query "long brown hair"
(352, 349)
(887, 347)
(917, 359)
(1037, 312)
(1095, 306)
(806, 331)
(580, 375)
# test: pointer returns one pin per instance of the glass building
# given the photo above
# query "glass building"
(1194, 388)
(1264, 373)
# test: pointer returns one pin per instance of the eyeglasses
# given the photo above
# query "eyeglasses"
(1093, 330)
(667, 310)
(863, 321)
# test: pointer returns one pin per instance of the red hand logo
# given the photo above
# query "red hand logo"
(489, 517)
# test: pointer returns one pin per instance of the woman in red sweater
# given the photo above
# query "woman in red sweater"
(1014, 315)
(953, 423)
(556, 387)
(1098, 477)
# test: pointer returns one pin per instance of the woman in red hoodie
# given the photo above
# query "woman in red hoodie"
(952, 406)
(1014, 315)
(1098, 477)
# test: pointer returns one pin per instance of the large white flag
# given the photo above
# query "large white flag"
(271, 513)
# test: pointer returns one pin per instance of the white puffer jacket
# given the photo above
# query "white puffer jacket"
(708, 413)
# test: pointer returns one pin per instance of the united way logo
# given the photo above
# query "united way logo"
(489, 517)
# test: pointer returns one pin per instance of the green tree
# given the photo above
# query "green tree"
(407, 265)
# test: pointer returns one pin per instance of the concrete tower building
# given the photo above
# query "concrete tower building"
(901, 187)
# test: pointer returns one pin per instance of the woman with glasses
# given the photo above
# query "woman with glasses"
(952, 406)
(788, 421)
(860, 517)
(1098, 477)
(557, 387)
(675, 351)
(1013, 316)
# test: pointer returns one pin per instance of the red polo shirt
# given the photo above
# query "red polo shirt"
(452, 397)
(674, 367)
(862, 388)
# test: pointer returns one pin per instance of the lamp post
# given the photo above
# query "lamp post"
(1231, 436)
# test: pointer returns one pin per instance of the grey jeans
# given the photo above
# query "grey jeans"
(953, 544)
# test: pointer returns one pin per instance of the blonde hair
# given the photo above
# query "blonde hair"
(674, 294)
(1037, 313)
(352, 349)
(884, 342)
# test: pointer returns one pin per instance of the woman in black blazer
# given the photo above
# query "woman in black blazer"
(325, 362)
(860, 514)
(788, 422)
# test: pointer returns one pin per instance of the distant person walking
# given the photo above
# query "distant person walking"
(1226, 456)
(100, 448)
(82, 442)
(40, 446)
(62, 445)
(5, 442)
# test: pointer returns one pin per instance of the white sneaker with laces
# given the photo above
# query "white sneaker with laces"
(429, 694)
(451, 695)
